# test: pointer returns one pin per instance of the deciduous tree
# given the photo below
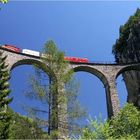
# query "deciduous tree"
(125, 125)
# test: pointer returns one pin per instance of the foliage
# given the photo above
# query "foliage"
(56, 63)
(75, 111)
(125, 125)
(4, 1)
(51, 90)
(5, 119)
(121, 43)
(4, 100)
(96, 130)
(22, 127)
(59, 67)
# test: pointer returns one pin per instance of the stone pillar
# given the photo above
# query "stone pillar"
(113, 104)
(62, 114)
(59, 123)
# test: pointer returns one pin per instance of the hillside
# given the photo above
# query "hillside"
(127, 49)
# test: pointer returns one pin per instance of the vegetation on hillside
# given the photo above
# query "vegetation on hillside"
(125, 125)
(126, 32)
(22, 127)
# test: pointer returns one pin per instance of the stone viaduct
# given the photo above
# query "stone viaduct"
(107, 73)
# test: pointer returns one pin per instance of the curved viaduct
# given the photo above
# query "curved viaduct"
(107, 73)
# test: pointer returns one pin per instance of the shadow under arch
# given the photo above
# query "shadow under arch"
(36, 63)
(128, 68)
(130, 74)
(103, 79)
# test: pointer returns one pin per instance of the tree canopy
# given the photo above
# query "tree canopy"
(59, 90)
(125, 125)
(127, 31)
(22, 127)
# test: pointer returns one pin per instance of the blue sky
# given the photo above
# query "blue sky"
(81, 29)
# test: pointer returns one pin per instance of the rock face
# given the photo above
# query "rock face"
(127, 49)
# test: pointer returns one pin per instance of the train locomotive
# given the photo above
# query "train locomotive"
(38, 54)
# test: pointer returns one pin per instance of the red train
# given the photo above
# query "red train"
(35, 53)
(11, 48)
(76, 59)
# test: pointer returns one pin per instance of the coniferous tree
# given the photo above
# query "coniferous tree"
(4, 100)
(50, 93)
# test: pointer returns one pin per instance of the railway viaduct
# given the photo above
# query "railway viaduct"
(107, 73)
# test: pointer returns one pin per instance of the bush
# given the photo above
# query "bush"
(125, 125)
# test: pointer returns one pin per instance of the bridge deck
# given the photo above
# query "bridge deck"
(89, 63)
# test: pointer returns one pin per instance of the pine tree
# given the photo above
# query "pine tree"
(4, 100)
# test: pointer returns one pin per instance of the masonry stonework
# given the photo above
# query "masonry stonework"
(107, 73)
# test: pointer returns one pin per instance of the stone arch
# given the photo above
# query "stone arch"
(22, 62)
(127, 68)
(35, 62)
(103, 79)
(42, 66)
(131, 72)
(92, 71)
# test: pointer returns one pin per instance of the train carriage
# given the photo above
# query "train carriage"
(11, 48)
(38, 54)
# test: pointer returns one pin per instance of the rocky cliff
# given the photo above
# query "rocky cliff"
(127, 49)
